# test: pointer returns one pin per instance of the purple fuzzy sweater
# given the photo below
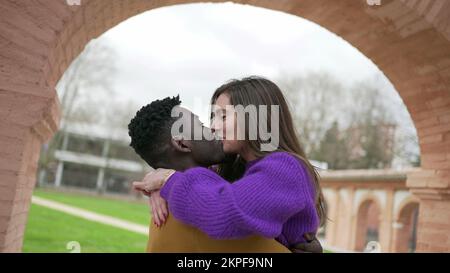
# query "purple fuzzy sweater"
(274, 199)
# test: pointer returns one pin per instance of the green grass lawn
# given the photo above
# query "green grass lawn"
(131, 211)
(50, 231)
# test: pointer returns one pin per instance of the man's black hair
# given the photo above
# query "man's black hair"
(150, 129)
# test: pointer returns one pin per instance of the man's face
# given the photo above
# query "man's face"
(206, 149)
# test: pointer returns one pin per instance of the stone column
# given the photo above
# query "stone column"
(432, 189)
(21, 143)
(385, 231)
(333, 206)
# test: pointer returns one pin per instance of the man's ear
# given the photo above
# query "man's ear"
(181, 144)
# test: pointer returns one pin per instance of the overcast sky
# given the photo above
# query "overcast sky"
(192, 49)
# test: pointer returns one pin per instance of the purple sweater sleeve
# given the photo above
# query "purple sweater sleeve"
(272, 190)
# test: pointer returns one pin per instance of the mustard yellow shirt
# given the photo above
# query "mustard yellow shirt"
(175, 236)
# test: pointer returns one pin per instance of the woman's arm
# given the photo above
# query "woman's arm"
(260, 203)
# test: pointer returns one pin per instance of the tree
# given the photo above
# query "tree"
(333, 149)
(314, 99)
(375, 128)
(87, 80)
(363, 125)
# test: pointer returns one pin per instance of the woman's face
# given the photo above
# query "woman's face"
(225, 125)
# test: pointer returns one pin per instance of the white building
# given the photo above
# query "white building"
(95, 158)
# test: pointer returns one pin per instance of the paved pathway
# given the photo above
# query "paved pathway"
(91, 216)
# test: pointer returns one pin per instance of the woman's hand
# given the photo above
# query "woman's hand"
(159, 208)
(153, 181)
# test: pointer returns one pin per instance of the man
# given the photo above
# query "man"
(151, 132)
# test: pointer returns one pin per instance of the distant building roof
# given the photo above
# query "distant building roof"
(97, 131)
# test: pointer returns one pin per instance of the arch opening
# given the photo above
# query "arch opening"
(368, 224)
(404, 62)
(406, 228)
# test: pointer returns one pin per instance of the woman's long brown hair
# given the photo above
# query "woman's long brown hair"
(260, 91)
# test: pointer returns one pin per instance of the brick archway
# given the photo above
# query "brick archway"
(405, 232)
(408, 40)
(368, 217)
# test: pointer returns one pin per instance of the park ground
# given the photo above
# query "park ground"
(50, 230)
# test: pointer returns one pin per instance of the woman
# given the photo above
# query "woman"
(275, 194)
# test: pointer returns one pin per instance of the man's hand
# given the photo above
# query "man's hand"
(312, 245)
(150, 186)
